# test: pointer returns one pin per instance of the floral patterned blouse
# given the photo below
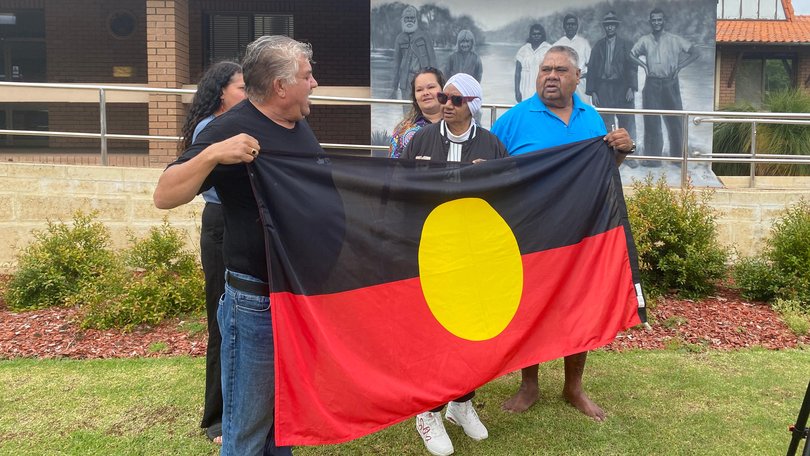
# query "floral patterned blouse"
(403, 134)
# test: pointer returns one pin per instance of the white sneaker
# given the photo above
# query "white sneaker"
(463, 414)
(431, 429)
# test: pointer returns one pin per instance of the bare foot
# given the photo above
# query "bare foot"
(522, 400)
(584, 404)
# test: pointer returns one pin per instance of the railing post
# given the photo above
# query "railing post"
(753, 174)
(102, 109)
(685, 150)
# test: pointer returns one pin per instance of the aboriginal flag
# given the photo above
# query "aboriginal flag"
(398, 285)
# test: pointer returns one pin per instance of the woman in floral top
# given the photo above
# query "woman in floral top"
(425, 109)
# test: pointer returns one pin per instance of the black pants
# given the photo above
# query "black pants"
(613, 94)
(213, 266)
(661, 93)
(463, 398)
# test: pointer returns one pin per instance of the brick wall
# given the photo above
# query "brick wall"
(341, 124)
(728, 57)
(167, 49)
(80, 157)
(122, 118)
(339, 33)
(804, 68)
(80, 47)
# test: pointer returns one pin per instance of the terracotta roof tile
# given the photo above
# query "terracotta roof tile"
(759, 31)
(794, 29)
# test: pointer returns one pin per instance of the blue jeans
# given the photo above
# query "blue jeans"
(248, 378)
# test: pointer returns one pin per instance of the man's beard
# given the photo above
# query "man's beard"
(409, 27)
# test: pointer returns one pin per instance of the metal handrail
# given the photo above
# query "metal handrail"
(107, 87)
(697, 118)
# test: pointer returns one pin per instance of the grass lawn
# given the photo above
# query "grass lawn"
(658, 403)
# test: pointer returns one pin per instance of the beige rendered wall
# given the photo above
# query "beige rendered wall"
(31, 194)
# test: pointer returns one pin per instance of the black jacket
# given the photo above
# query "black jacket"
(623, 65)
(431, 142)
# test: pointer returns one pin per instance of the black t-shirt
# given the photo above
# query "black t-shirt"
(243, 241)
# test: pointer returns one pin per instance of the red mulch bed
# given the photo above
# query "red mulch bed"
(721, 322)
(724, 321)
(54, 333)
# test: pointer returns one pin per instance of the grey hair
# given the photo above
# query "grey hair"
(567, 50)
(465, 34)
(271, 58)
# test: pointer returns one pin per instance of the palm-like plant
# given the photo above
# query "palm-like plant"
(782, 139)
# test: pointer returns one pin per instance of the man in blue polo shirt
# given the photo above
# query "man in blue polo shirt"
(555, 116)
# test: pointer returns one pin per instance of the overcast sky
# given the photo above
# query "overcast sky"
(801, 6)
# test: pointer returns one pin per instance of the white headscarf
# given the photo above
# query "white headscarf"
(468, 87)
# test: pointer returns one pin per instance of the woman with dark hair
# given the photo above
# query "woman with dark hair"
(219, 89)
(425, 109)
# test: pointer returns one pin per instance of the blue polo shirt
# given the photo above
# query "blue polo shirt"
(529, 126)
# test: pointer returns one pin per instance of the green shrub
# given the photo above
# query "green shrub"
(676, 238)
(783, 269)
(789, 250)
(60, 263)
(166, 281)
(756, 279)
(72, 265)
(795, 314)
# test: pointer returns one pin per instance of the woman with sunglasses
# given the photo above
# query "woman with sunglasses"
(425, 109)
(456, 138)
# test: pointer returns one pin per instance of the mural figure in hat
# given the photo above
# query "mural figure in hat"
(613, 76)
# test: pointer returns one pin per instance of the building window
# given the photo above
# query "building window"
(16, 116)
(121, 24)
(229, 34)
(750, 9)
(22, 46)
(759, 76)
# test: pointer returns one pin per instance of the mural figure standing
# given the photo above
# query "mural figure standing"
(464, 59)
(583, 48)
(665, 55)
(613, 78)
(413, 51)
(528, 60)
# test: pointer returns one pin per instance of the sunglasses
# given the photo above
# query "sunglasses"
(457, 100)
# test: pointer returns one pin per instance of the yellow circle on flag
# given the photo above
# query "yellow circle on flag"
(470, 268)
